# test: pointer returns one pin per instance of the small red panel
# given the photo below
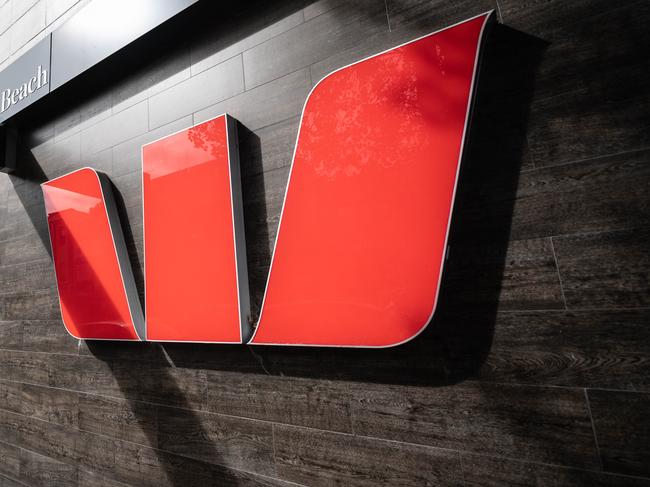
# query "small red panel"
(92, 292)
(360, 249)
(191, 281)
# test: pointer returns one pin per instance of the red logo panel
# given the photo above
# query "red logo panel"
(362, 238)
(364, 226)
(195, 261)
(97, 292)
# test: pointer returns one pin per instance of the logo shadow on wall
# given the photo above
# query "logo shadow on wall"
(456, 344)
(453, 348)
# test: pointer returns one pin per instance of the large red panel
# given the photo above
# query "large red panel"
(94, 278)
(194, 239)
(362, 239)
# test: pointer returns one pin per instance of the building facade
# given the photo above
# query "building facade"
(536, 367)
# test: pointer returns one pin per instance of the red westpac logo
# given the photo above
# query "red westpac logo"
(363, 231)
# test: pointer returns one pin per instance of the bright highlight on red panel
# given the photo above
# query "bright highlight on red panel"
(196, 282)
(362, 239)
(95, 283)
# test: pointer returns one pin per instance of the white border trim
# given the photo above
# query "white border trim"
(489, 15)
(127, 264)
(236, 208)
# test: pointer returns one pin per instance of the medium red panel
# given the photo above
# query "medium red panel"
(194, 257)
(94, 278)
(363, 232)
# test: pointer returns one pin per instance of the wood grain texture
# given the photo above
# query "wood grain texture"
(40, 470)
(528, 276)
(581, 108)
(549, 425)
(606, 193)
(11, 334)
(610, 269)
(9, 482)
(221, 440)
(323, 404)
(582, 36)
(565, 348)
(9, 460)
(320, 458)
(622, 430)
(487, 471)
(126, 420)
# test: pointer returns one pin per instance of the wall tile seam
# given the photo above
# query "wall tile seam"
(320, 60)
(33, 265)
(461, 465)
(192, 64)
(18, 239)
(498, 9)
(68, 427)
(559, 275)
(179, 82)
(554, 351)
(593, 428)
(38, 351)
(561, 310)
(25, 449)
(306, 21)
(44, 31)
(269, 422)
(537, 101)
(248, 176)
(142, 105)
(623, 228)
(207, 107)
(13, 22)
(68, 133)
(475, 382)
(440, 449)
(72, 132)
(12, 479)
(274, 449)
(39, 33)
(185, 114)
(40, 260)
(576, 388)
(62, 135)
(607, 155)
(328, 432)
(594, 233)
(585, 19)
(559, 467)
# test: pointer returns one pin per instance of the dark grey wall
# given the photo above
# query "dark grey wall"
(536, 369)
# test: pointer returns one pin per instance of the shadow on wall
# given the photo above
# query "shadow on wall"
(26, 181)
(454, 346)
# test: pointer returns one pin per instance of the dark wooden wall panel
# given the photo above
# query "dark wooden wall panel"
(536, 368)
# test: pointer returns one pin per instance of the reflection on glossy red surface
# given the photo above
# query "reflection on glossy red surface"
(359, 252)
(191, 278)
(92, 292)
